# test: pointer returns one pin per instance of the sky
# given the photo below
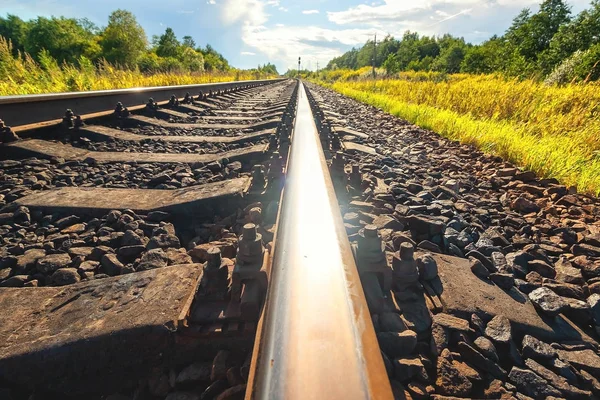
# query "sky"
(252, 32)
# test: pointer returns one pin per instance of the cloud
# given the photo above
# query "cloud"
(186, 11)
(247, 53)
(363, 13)
(249, 12)
(283, 44)
(211, 2)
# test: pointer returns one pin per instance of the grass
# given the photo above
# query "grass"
(552, 130)
(20, 74)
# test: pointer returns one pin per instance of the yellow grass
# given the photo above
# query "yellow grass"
(554, 131)
(22, 75)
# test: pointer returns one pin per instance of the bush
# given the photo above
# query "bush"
(149, 62)
(565, 72)
(589, 67)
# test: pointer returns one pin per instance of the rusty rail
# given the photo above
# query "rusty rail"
(16, 111)
(316, 340)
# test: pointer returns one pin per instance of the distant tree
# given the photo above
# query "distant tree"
(408, 51)
(213, 60)
(268, 68)
(168, 45)
(123, 40)
(475, 61)
(391, 64)
(450, 59)
(531, 33)
(589, 68)
(149, 62)
(14, 29)
(579, 34)
(89, 26)
(192, 60)
(64, 39)
(188, 41)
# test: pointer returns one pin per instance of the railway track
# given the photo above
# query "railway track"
(270, 240)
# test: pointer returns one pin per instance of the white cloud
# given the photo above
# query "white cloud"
(283, 9)
(211, 2)
(250, 12)
(282, 44)
(247, 53)
(391, 10)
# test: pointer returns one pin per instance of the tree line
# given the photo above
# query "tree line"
(550, 44)
(122, 42)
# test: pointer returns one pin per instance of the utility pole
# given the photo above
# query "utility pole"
(298, 67)
(374, 54)
(317, 68)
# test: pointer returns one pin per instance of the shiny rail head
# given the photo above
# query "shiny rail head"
(317, 339)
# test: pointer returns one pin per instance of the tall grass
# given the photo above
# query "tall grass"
(552, 130)
(20, 74)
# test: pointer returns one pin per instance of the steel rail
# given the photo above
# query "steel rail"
(47, 109)
(316, 339)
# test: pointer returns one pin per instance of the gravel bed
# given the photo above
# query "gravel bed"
(20, 177)
(160, 146)
(172, 131)
(523, 234)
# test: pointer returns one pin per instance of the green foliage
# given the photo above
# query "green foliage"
(192, 60)
(168, 45)
(64, 39)
(66, 54)
(15, 29)
(124, 40)
(391, 64)
(589, 68)
(213, 60)
(450, 59)
(534, 46)
(149, 62)
(188, 41)
(21, 74)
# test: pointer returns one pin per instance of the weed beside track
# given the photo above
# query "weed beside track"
(550, 130)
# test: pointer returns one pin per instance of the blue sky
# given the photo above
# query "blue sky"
(249, 32)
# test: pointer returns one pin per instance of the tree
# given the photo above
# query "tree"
(192, 60)
(64, 39)
(123, 40)
(213, 60)
(531, 34)
(168, 45)
(475, 61)
(450, 59)
(188, 41)
(149, 62)
(408, 50)
(391, 64)
(14, 29)
(579, 34)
